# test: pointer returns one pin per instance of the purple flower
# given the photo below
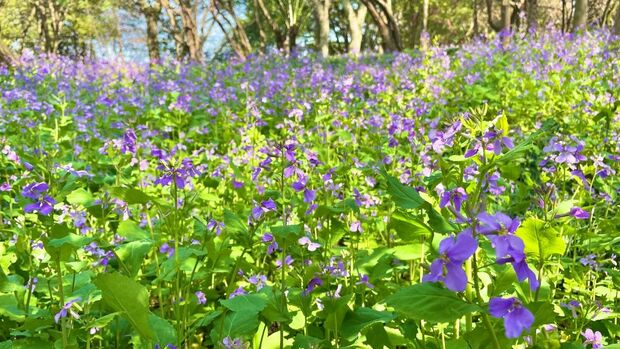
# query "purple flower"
(258, 280)
(517, 318)
(448, 268)
(230, 343)
(579, 213)
(356, 227)
(455, 197)
(288, 260)
(312, 246)
(238, 292)
(34, 190)
(215, 226)
(364, 281)
(44, 205)
(509, 248)
(167, 249)
(312, 284)
(202, 299)
(128, 144)
(594, 338)
(67, 309)
(264, 207)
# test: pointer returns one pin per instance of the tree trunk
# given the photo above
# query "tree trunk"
(476, 26)
(356, 23)
(424, 37)
(532, 15)
(321, 8)
(580, 16)
(386, 23)
(152, 31)
(6, 56)
(617, 21)
(496, 26)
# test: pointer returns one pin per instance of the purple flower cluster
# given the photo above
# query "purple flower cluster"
(44, 204)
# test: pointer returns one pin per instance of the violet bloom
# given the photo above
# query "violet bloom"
(202, 299)
(364, 281)
(264, 207)
(509, 248)
(128, 143)
(230, 343)
(312, 284)
(44, 205)
(579, 213)
(67, 308)
(517, 318)
(167, 249)
(311, 246)
(356, 227)
(448, 268)
(288, 260)
(215, 226)
(258, 280)
(594, 338)
(454, 197)
(34, 190)
(238, 292)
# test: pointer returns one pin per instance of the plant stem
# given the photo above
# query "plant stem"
(485, 316)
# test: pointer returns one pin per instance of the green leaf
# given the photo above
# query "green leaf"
(437, 221)
(356, 321)
(408, 227)
(404, 196)
(102, 321)
(238, 324)
(540, 240)
(252, 303)
(10, 309)
(131, 231)
(306, 342)
(80, 197)
(287, 233)
(164, 331)
(132, 254)
(430, 302)
(130, 196)
(233, 223)
(62, 245)
(125, 295)
(543, 313)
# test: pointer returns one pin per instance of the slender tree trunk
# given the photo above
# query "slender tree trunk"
(152, 31)
(532, 15)
(383, 17)
(506, 20)
(262, 37)
(321, 8)
(496, 26)
(424, 37)
(476, 26)
(7, 58)
(580, 16)
(617, 21)
(356, 23)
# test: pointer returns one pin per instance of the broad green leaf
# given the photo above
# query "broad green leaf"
(164, 331)
(130, 298)
(252, 303)
(408, 227)
(102, 321)
(132, 254)
(10, 309)
(543, 313)
(404, 196)
(130, 196)
(356, 321)
(307, 342)
(540, 240)
(287, 233)
(131, 231)
(233, 223)
(80, 197)
(430, 302)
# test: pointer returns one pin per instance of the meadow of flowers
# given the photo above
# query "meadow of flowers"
(457, 198)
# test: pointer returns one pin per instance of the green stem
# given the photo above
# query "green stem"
(485, 316)
(61, 293)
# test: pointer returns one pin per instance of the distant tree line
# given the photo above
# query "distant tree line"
(181, 27)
